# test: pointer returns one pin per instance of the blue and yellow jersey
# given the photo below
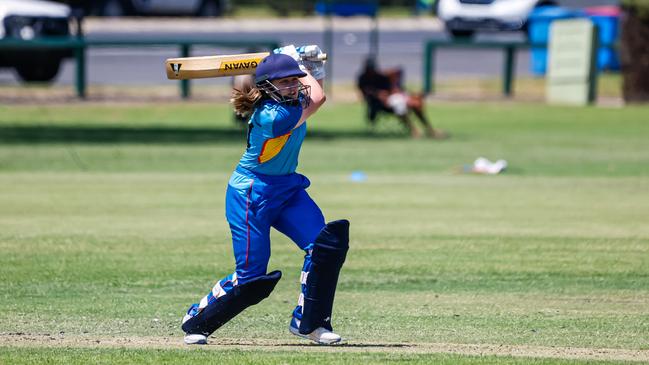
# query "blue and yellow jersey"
(273, 144)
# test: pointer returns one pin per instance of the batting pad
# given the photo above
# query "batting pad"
(329, 253)
(219, 312)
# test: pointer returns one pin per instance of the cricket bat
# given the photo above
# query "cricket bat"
(185, 68)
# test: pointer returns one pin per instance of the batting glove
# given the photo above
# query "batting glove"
(314, 60)
(311, 53)
(290, 50)
(316, 69)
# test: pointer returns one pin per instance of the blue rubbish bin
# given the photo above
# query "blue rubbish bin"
(607, 20)
(539, 32)
(347, 7)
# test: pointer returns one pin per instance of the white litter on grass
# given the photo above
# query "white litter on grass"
(483, 166)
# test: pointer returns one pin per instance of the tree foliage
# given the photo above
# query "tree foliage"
(640, 8)
(634, 51)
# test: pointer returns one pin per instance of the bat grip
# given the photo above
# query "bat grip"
(319, 57)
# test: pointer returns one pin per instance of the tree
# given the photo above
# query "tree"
(634, 51)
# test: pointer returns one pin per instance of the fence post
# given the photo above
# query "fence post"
(184, 84)
(429, 68)
(374, 38)
(329, 46)
(80, 56)
(508, 76)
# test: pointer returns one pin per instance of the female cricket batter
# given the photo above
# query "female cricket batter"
(265, 191)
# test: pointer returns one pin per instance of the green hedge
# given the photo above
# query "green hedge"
(639, 7)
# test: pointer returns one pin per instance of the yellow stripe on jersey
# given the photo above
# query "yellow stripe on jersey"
(272, 147)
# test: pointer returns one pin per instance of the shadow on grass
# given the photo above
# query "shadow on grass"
(83, 134)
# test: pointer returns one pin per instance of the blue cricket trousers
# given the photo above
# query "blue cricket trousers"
(254, 203)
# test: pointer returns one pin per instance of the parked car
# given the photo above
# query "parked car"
(28, 19)
(152, 7)
(465, 17)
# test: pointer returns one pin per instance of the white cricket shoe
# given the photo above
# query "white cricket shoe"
(197, 339)
(320, 335)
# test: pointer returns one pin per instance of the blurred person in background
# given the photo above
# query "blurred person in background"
(383, 92)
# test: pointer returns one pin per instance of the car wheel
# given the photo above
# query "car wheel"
(210, 8)
(117, 8)
(526, 30)
(461, 33)
(546, 3)
(43, 71)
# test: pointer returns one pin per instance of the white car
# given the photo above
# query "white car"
(29, 19)
(464, 17)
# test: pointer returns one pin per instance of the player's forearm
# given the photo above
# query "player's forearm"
(318, 96)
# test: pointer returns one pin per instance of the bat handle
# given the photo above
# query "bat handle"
(319, 57)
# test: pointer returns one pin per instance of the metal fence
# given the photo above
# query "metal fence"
(79, 45)
(509, 49)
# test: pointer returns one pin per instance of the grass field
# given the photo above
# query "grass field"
(111, 223)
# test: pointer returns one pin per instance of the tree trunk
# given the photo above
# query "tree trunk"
(634, 55)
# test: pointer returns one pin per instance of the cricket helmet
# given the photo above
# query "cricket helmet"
(278, 66)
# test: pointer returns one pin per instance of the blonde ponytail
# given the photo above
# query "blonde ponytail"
(244, 95)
